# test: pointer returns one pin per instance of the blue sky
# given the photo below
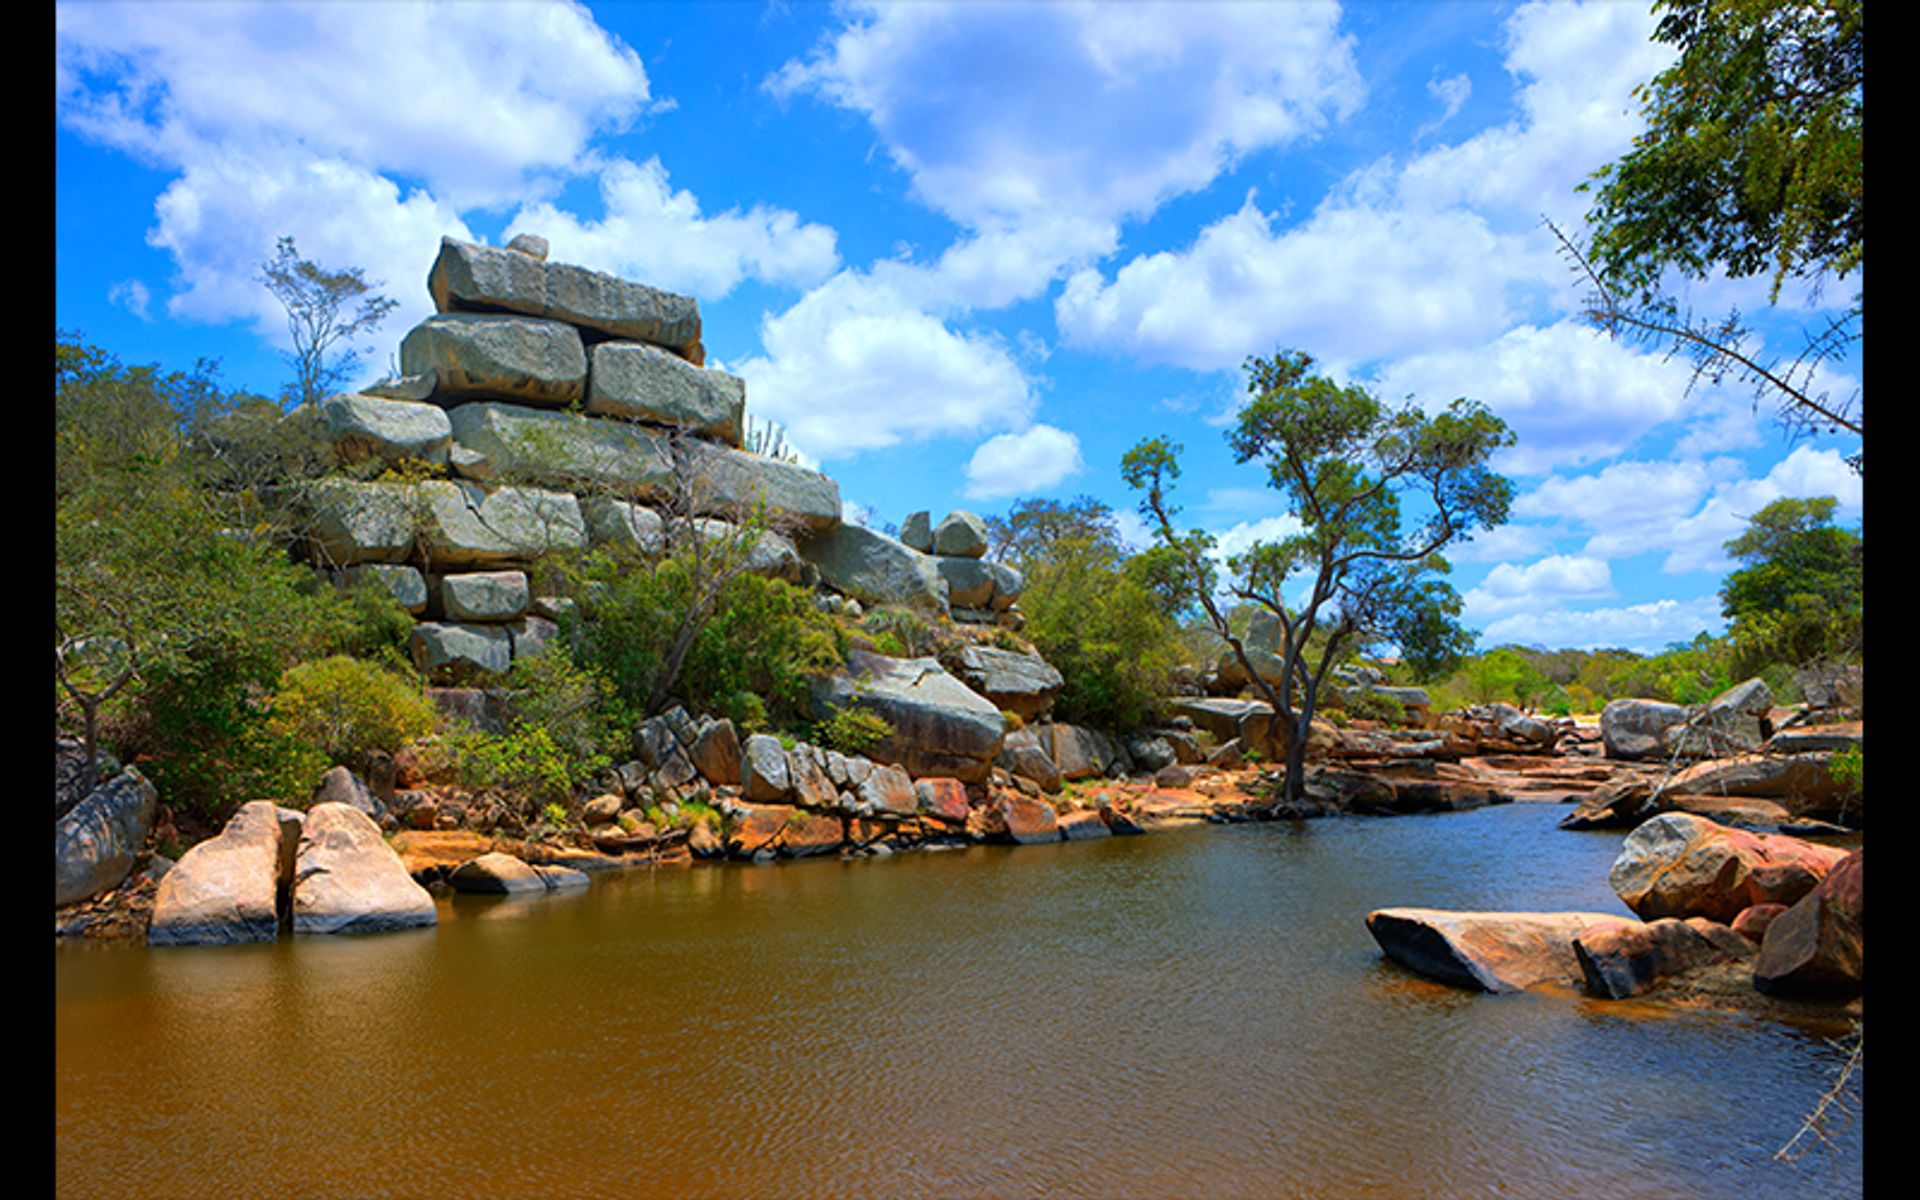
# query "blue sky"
(969, 254)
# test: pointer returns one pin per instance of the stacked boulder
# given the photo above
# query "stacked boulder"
(940, 568)
(544, 406)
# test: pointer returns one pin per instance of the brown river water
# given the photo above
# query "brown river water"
(1196, 1013)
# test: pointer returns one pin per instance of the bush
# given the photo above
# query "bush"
(348, 707)
(525, 762)
(1372, 706)
(853, 730)
(1106, 633)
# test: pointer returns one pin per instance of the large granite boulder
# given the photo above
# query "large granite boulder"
(1818, 946)
(970, 581)
(625, 524)
(96, 841)
(488, 597)
(1081, 753)
(764, 773)
(1023, 684)
(228, 888)
(348, 880)
(341, 786)
(495, 873)
(485, 356)
(453, 653)
(917, 531)
(469, 277)
(1635, 729)
(348, 522)
(639, 382)
(960, 534)
(1486, 951)
(939, 725)
(875, 569)
(1734, 722)
(1021, 755)
(1681, 865)
(361, 427)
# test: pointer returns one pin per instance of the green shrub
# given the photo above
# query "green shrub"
(1372, 706)
(525, 762)
(853, 730)
(1848, 769)
(348, 707)
(1106, 633)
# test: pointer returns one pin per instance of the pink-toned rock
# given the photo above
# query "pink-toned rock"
(942, 798)
(890, 788)
(1678, 865)
(1083, 824)
(226, 889)
(1626, 958)
(809, 833)
(1486, 951)
(1027, 820)
(1818, 947)
(348, 880)
(756, 828)
(1118, 821)
(1753, 921)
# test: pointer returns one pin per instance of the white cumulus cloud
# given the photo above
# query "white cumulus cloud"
(1032, 461)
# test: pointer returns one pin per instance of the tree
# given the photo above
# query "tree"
(1800, 597)
(1751, 163)
(1032, 529)
(325, 309)
(1344, 460)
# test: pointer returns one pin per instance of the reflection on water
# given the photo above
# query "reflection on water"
(1192, 1013)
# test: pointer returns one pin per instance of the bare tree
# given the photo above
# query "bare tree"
(325, 309)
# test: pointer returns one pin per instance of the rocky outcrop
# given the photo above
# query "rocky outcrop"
(503, 874)
(96, 841)
(1486, 951)
(229, 887)
(468, 277)
(1679, 865)
(939, 725)
(361, 428)
(488, 356)
(348, 880)
(639, 382)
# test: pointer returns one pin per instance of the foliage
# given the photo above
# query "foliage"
(206, 614)
(1752, 158)
(1751, 163)
(1504, 675)
(1800, 597)
(325, 309)
(761, 637)
(1104, 632)
(525, 762)
(853, 730)
(347, 707)
(1372, 706)
(1033, 529)
(1848, 769)
(1343, 460)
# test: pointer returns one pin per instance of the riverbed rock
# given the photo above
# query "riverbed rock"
(498, 873)
(227, 888)
(1817, 947)
(1486, 951)
(939, 725)
(1680, 865)
(348, 880)
(1022, 819)
(1635, 729)
(1801, 783)
(96, 841)
(1082, 824)
(467, 276)
(1626, 958)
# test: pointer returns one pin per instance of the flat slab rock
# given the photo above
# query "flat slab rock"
(1486, 951)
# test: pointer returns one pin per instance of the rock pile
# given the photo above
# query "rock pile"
(546, 406)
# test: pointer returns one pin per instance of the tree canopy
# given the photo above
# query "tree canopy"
(1799, 598)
